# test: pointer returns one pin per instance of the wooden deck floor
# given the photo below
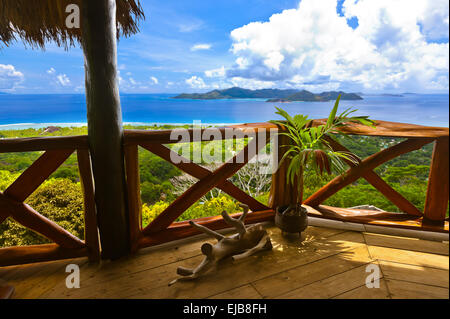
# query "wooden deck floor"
(328, 263)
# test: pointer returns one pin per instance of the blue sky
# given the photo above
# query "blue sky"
(197, 46)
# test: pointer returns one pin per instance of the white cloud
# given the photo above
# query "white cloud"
(128, 83)
(132, 81)
(9, 77)
(120, 79)
(196, 82)
(63, 80)
(191, 25)
(201, 46)
(60, 79)
(80, 88)
(252, 84)
(215, 73)
(154, 80)
(313, 47)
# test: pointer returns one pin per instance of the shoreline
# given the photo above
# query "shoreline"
(23, 126)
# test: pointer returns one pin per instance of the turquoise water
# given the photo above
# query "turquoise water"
(19, 111)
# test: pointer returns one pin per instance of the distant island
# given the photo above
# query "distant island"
(392, 95)
(273, 95)
(307, 96)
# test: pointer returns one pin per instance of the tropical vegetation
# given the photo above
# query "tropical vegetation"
(60, 197)
(308, 147)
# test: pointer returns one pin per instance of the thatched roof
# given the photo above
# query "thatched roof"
(39, 21)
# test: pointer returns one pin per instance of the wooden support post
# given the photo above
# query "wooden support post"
(90, 215)
(105, 132)
(282, 193)
(134, 194)
(436, 202)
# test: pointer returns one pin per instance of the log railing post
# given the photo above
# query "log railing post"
(105, 132)
(436, 202)
(281, 193)
(134, 194)
(90, 215)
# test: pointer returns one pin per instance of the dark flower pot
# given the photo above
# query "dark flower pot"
(291, 219)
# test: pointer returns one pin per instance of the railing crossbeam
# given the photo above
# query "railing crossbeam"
(36, 174)
(200, 172)
(28, 217)
(190, 196)
(376, 181)
(368, 164)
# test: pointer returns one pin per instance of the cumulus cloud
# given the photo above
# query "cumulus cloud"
(59, 78)
(252, 84)
(9, 77)
(201, 46)
(132, 81)
(314, 47)
(215, 73)
(128, 83)
(196, 82)
(154, 80)
(63, 80)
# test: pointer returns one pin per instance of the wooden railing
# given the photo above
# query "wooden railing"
(57, 151)
(163, 228)
(433, 217)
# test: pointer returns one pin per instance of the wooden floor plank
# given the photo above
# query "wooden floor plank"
(324, 263)
(363, 292)
(416, 274)
(244, 292)
(331, 286)
(408, 290)
(409, 257)
(38, 278)
(405, 243)
(135, 284)
(52, 276)
(286, 254)
(142, 261)
(148, 258)
(281, 283)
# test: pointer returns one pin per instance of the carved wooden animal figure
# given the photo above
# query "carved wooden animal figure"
(246, 242)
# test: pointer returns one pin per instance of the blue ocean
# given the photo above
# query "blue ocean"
(21, 111)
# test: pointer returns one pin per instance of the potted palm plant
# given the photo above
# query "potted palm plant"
(308, 149)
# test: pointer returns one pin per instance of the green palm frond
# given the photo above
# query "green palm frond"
(332, 116)
(308, 146)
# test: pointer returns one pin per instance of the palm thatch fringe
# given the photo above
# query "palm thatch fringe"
(39, 21)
